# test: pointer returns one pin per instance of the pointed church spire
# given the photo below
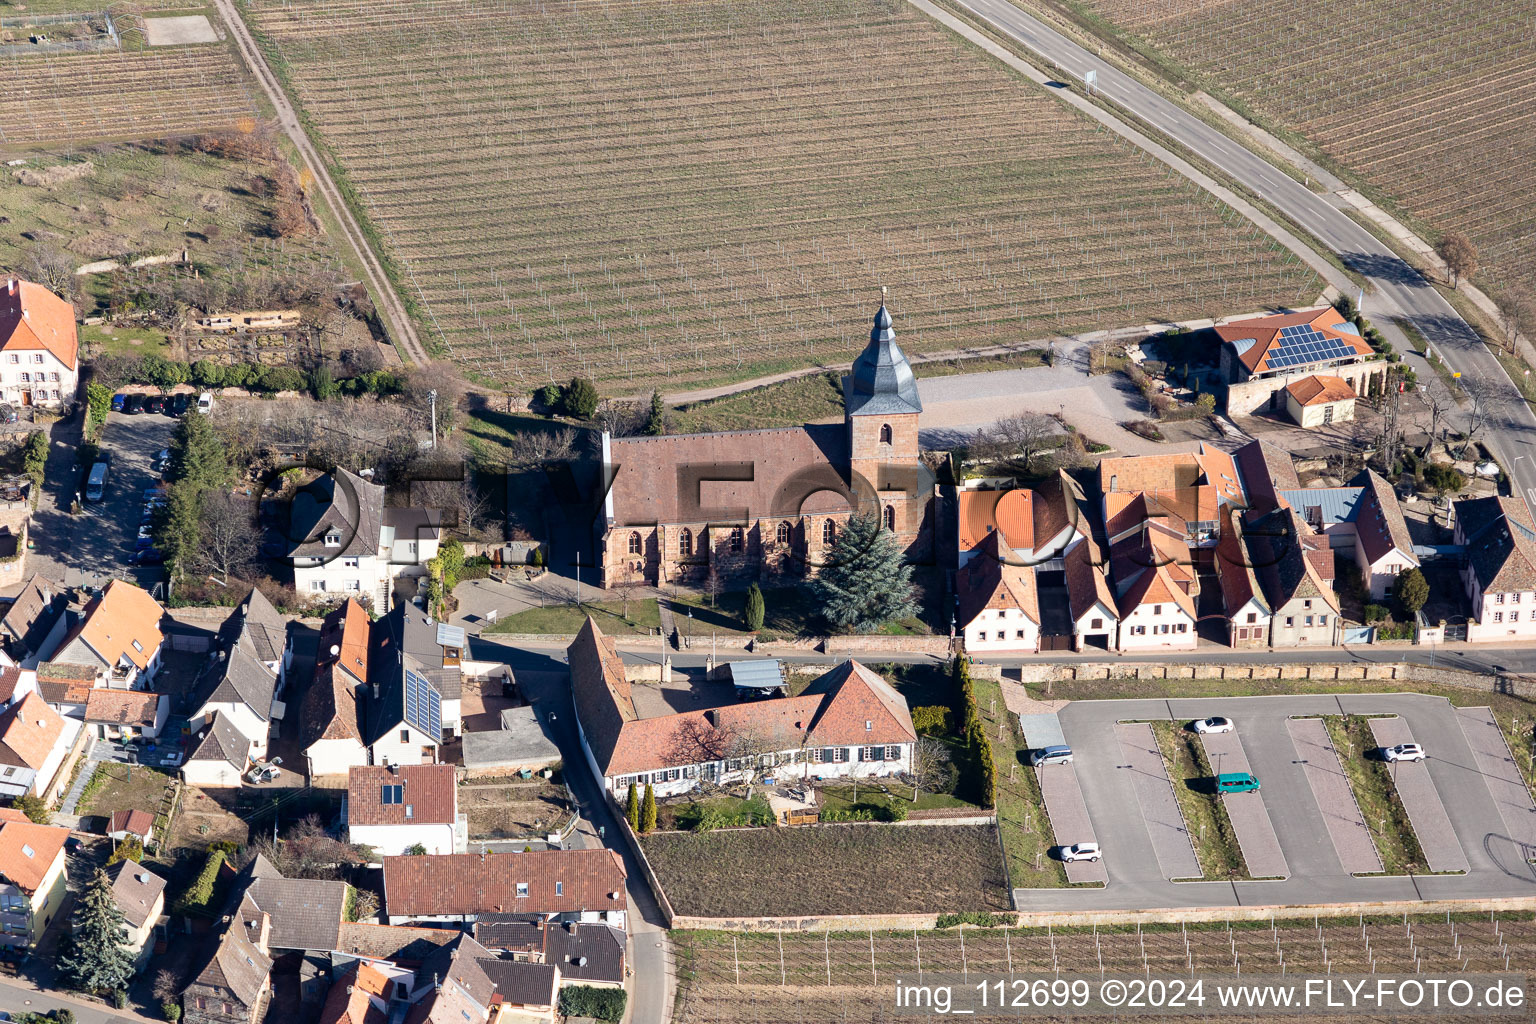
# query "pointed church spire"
(882, 382)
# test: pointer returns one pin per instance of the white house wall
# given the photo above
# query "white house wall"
(334, 757)
(243, 718)
(1019, 631)
(1171, 617)
(394, 840)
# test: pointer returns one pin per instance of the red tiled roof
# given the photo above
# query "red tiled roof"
(1264, 332)
(455, 884)
(1320, 389)
(135, 821)
(348, 1001)
(429, 790)
(985, 512)
(32, 317)
(346, 629)
(28, 731)
(122, 707)
(987, 582)
(27, 870)
(119, 617)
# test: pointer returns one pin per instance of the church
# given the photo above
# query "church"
(769, 505)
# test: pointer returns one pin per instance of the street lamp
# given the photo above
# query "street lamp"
(690, 628)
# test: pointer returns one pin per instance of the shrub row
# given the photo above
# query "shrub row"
(894, 811)
(975, 734)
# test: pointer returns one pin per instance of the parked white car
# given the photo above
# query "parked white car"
(1216, 724)
(1404, 752)
(1081, 851)
(205, 402)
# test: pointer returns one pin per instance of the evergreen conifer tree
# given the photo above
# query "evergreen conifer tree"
(97, 960)
(632, 808)
(867, 581)
(756, 608)
(656, 419)
(648, 810)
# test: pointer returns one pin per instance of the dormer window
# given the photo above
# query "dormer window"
(332, 539)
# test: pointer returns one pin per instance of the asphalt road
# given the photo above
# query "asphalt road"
(1398, 289)
(16, 998)
(1496, 864)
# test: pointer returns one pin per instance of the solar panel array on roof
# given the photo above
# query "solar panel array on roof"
(1303, 344)
(423, 705)
(450, 636)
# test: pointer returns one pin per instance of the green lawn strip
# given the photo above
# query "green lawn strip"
(644, 618)
(1021, 818)
(104, 339)
(684, 813)
(1385, 816)
(843, 798)
(1518, 723)
(1210, 830)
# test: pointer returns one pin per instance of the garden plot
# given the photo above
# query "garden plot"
(1435, 104)
(651, 194)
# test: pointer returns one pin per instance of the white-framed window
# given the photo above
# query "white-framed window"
(332, 539)
(318, 586)
(405, 735)
(1157, 609)
(1290, 620)
(1307, 621)
(54, 377)
(871, 753)
(1183, 627)
(15, 358)
(353, 585)
(1514, 616)
(37, 358)
(410, 810)
(26, 378)
(522, 890)
(349, 563)
(893, 753)
(559, 888)
(840, 754)
(819, 755)
(1018, 634)
(1496, 600)
(1498, 616)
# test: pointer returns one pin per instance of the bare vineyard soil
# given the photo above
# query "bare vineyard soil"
(686, 193)
(830, 869)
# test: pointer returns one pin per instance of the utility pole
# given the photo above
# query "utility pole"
(432, 404)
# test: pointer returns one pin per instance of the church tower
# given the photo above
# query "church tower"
(882, 411)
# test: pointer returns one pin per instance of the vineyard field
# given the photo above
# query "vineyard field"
(1433, 104)
(52, 99)
(770, 978)
(684, 193)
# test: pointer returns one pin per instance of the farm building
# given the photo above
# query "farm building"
(1262, 356)
(1319, 400)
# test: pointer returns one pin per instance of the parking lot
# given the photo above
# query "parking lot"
(94, 546)
(1300, 833)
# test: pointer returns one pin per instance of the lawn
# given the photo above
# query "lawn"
(720, 196)
(830, 869)
(1205, 819)
(567, 619)
(1383, 810)
(105, 339)
(1022, 821)
(121, 787)
(684, 813)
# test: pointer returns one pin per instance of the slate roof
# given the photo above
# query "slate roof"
(387, 667)
(122, 707)
(33, 614)
(17, 866)
(467, 883)
(429, 790)
(561, 944)
(306, 912)
(1500, 540)
(1320, 389)
(522, 983)
(236, 961)
(221, 741)
(257, 628)
(136, 888)
(830, 712)
(331, 710)
(1256, 339)
(341, 501)
(236, 677)
(787, 464)
(32, 318)
(63, 683)
(409, 629)
(29, 729)
(460, 962)
(882, 382)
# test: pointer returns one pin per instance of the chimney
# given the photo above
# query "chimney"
(394, 769)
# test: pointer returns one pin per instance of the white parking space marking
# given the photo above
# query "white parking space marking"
(1437, 838)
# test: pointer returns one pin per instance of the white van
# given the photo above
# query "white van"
(96, 483)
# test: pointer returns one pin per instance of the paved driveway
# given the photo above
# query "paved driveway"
(1159, 806)
(1247, 811)
(1069, 819)
(1136, 879)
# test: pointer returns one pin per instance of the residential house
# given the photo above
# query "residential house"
(1499, 570)
(35, 623)
(306, 913)
(1185, 491)
(32, 877)
(219, 757)
(35, 741)
(437, 649)
(559, 885)
(1094, 607)
(1365, 520)
(131, 824)
(404, 709)
(587, 954)
(360, 994)
(257, 628)
(1157, 613)
(15, 683)
(1038, 525)
(126, 714)
(397, 808)
(1264, 471)
(349, 543)
(331, 726)
(234, 982)
(140, 895)
(998, 608)
(118, 636)
(847, 723)
(39, 349)
(67, 688)
(1262, 356)
(242, 690)
(525, 991)
(451, 986)
(1320, 400)
(1242, 595)
(1304, 607)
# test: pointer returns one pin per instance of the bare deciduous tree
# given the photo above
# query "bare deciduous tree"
(1518, 309)
(1016, 440)
(701, 739)
(226, 536)
(52, 268)
(1459, 254)
(626, 592)
(930, 765)
(530, 448)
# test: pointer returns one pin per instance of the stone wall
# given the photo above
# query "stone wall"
(1326, 672)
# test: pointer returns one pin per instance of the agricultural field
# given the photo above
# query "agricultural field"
(63, 97)
(773, 978)
(673, 195)
(830, 869)
(1433, 104)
